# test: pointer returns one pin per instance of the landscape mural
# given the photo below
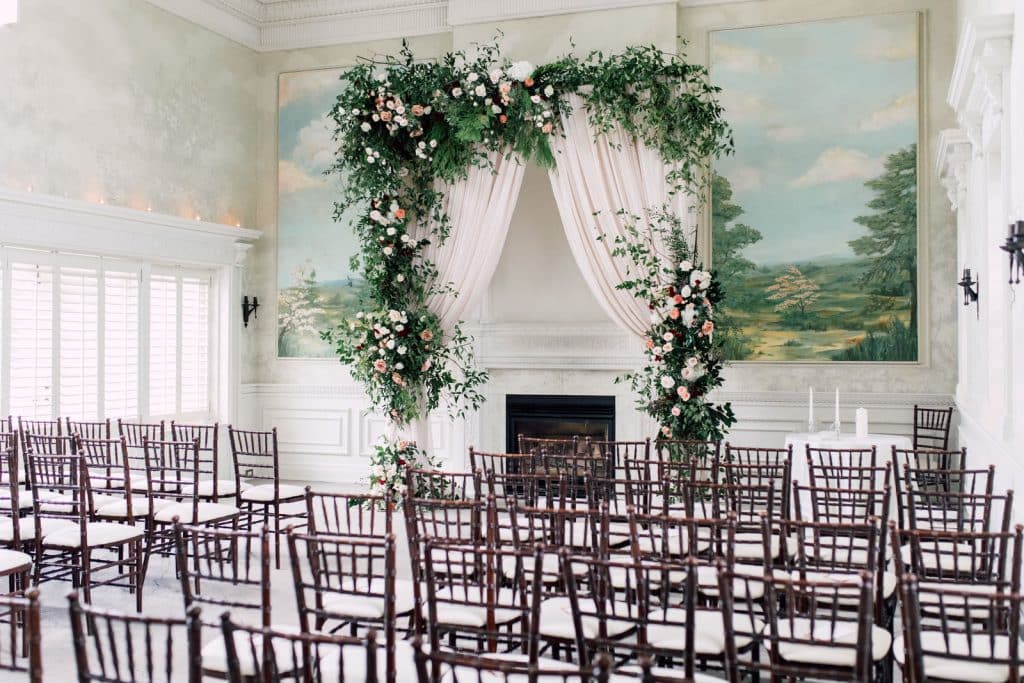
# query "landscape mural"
(316, 286)
(814, 220)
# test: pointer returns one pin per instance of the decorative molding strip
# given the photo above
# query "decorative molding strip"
(849, 400)
(976, 87)
(475, 12)
(404, 20)
(596, 346)
(951, 164)
(40, 221)
(224, 17)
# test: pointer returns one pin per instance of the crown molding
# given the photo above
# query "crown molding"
(269, 25)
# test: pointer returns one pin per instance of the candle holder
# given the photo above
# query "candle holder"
(970, 288)
(1014, 247)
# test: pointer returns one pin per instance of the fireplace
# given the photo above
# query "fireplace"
(554, 417)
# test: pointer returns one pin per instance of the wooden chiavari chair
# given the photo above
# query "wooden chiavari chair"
(448, 666)
(211, 485)
(619, 453)
(135, 435)
(940, 644)
(951, 500)
(759, 467)
(938, 472)
(172, 473)
(110, 646)
(22, 651)
(348, 514)
(702, 454)
(346, 581)
(16, 531)
(931, 427)
(225, 569)
(268, 655)
(28, 428)
(536, 445)
(807, 639)
(256, 457)
(845, 468)
(106, 462)
(73, 546)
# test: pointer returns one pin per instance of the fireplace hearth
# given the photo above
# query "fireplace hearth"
(554, 417)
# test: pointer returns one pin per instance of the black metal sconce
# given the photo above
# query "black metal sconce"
(1014, 246)
(249, 309)
(970, 288)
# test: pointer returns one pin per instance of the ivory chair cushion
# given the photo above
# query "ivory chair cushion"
(117, 508)
(355, 663)
(709, 631)
(362, 605)
(838, 647)
(13, 561)
(849, 596)
(24, 498)
(215, 657)
(971, 670)
(97, 534)
(661, 673)
(264, 493)
(27, 527)
(556, 621)
(207, 512)
(225, 487)
(471, 616)
(941, 556)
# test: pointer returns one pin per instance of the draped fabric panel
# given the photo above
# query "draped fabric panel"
(593, 180)
(479, 209)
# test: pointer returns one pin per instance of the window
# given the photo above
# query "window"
(84, 334)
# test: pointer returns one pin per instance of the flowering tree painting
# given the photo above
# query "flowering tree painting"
(316, 284)
(814, 219)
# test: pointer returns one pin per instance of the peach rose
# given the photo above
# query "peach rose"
(399, 214)
(708, 327)
(385, 116)
(503, 118)
(397, 379)
(676, 412)
(546, 127)
(666, 431)
(379, 365)
(673, 313)
(417, 110)
(678, 299)
(426, 335)
(528, 82)
(684, 393)
(649, 343)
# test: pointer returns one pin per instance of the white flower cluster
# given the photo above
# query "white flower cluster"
(496, 97)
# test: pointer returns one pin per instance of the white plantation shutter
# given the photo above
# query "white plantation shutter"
(31, 340)
(163, 345)
(79, 342)
(195, 344)
(121, 343)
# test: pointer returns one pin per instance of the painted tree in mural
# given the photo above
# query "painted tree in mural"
(300, 307)
(891, 244)
(795, 292)
(728, 243)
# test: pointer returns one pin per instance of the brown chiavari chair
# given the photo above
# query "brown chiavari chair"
(702, 454)
(211, 485)
(256, 457)
(135, 435)
(267, 655)
(22, 653)
(845, 467)
(172, 474)
(449, 666)
(618, 453)
(16, 530)
(225, 569)
(110, 646)
(88, 430)
(501, 463)
(535, 445)
(106, 462)
(747, 505)
(950, 499)
(73, 546)
(931, 427)
(938, 471)
(800, 633)
(537, 490)
(759, 467)
(615, 499)
(348, 514)
(347, 581)
(575, 469)
(940, 644)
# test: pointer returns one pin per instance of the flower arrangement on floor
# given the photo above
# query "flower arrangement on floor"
(683, 364)
(406, 126)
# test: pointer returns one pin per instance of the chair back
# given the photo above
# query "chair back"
(208, 436)
(976, 558)
(27, 427)
(20, 639)
(172, 473)
(46, 444)
(759, 467)
(537, 445)
(135, 435)
(225, 569)
(931, 427)
(348, 514)
(12, 478)
(930, 470)
(60, 490)
(134, 648)
(106, 463)
(268, 655)
(88, 430)
(955, 500)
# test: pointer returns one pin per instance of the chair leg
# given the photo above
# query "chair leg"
(277, 533)
(137, 577)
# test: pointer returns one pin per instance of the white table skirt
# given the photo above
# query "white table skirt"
(883, 444)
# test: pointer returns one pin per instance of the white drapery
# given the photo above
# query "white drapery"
(479, 209)
(593, 180)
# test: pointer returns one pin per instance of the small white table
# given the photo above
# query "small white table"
(883, 444)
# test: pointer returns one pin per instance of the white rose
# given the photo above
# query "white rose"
(401, 350)
(689, 313)
(472, 77)
(480, 90)
(399, 366)
(365, 127)
(355, 112)
(375, 215)
(496, 109)
(549, 91)
(686, 291)
(391, 343)
(667, 347)
(535, 99)
(394, 315)
(495, 75)
(668, 336)
(520, 71)
(692, 361)
(388, 251)
(399, 278)
(456, 92)
(433, 144)
(686, 265)
(667, 382)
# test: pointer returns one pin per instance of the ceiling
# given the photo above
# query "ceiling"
(267, 25)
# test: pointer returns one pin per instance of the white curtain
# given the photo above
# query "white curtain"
(593, 180)
(479, 209)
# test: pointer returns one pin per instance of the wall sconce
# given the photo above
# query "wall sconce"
(249, 309)
(1014, 246)
(970, 288)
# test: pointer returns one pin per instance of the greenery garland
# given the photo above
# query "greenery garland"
(402, 125)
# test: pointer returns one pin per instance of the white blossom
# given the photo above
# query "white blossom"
(472, 77)
(480, 90)
(686, 265)
(520, 71)
(365, 127)
(495, 75)
(535, 99)
(667, 381)
(549, 91)
(668, 336)
(456, 92)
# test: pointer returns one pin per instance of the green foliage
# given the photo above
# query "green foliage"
(404, 124)
(388, 465)
(898, 342)
(683, 362)
(892, 230)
